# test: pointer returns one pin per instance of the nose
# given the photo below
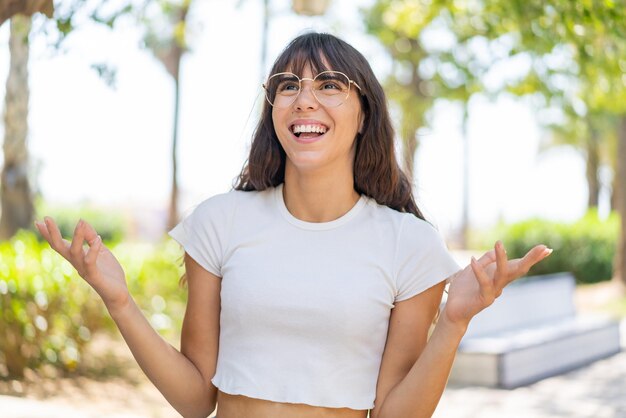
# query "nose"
(306, 99)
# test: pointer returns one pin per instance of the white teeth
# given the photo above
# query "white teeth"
(309, 128)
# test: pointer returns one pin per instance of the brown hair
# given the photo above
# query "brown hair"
(376, 170)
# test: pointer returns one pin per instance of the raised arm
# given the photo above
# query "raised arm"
(414, 372)
(182, 378)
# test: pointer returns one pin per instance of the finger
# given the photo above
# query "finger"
(43, 230)
(484, 281)
(532, 257)
(56, 241)
(76, 248)
(92, 255)
(90, 233)
(487, 258)
(501, 276)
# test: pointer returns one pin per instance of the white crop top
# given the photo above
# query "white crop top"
(305, 306)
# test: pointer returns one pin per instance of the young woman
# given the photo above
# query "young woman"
(313, 284)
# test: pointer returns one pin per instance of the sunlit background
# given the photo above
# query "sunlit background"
(111, 145)
(515, 123)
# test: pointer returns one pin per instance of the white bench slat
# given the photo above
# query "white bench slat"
(531, 332)
(527, 302)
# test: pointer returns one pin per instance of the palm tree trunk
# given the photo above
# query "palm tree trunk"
(466, 173)
(593, 162)
(613, 199)
(264, 33)
(411, 122)
(620, 258)
(16, 200)
(172, 61)
(10, 8)
(409, 141)
(172, 218)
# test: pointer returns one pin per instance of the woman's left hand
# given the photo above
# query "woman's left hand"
(479, 284)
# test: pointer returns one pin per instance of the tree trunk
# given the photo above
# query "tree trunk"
(463, 241)
(172, 218)
(620, 257)
(172, 58)
(593, 163)
(613, 198)
(16, 200)
(264, 33)
(411, 122)
(409, 142)
(10, 8)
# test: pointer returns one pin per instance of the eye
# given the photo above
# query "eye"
(287, 86)
(330, 85)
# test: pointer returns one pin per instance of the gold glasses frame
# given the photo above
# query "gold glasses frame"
(300, 88)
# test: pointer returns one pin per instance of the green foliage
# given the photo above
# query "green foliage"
(111, 225)
(152, 274)
(48, 313)
(573, 54)
(576, 50)
(423, 70)
(71, 15)
(585, 248)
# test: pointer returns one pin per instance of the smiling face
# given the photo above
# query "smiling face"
(315, 136)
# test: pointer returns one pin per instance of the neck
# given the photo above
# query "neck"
(320, 196)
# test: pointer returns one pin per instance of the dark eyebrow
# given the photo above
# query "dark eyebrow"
(287, 77)
(329, 76)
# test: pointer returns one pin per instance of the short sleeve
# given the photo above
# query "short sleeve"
(204, 232)
(422, 258)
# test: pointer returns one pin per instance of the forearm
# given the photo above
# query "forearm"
(174, 375)
(418, 394)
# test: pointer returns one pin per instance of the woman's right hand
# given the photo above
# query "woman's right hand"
(96, 264)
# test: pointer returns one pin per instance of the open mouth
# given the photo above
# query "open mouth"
(308, 131)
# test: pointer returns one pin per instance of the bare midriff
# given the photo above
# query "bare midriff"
(237, 406)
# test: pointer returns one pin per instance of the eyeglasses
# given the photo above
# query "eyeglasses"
(330, 88)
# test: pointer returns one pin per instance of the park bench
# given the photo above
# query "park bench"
(531, 332)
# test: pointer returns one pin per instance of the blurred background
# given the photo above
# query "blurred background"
(510, 118)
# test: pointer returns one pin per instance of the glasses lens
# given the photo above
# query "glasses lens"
(282, 89)
(331, 88)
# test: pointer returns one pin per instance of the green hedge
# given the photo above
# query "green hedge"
(152, 273)
(585, 248)
(112, 225)
(48, 313)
